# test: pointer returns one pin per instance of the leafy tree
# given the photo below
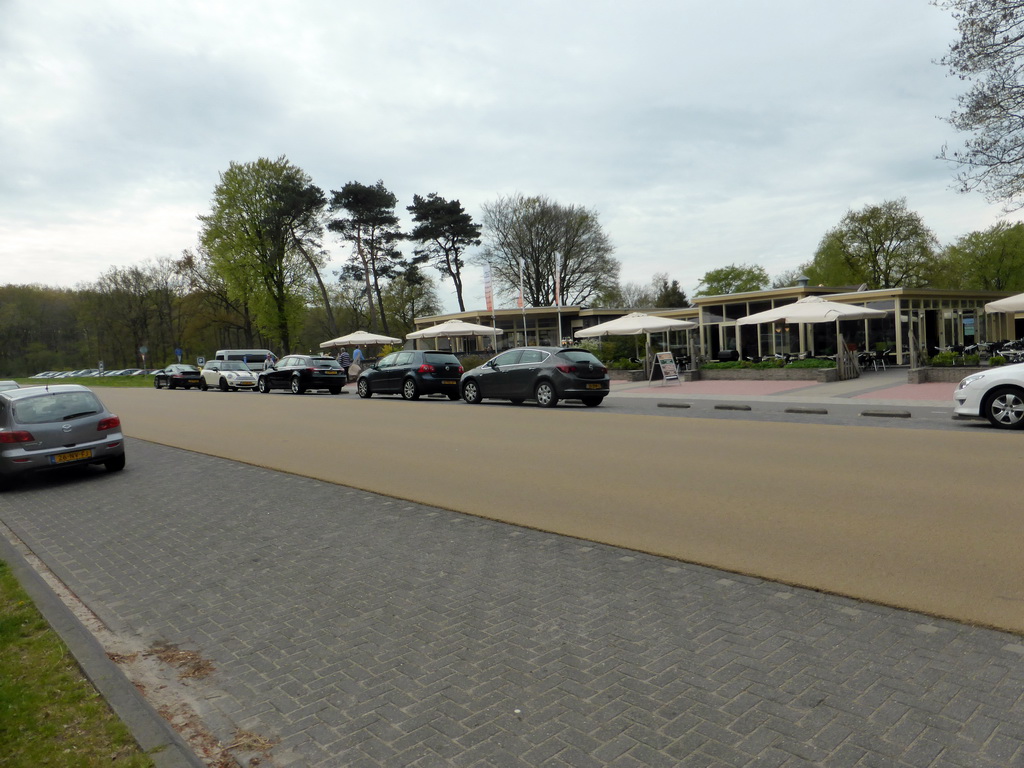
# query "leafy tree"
(882, 246)
(228, 312)
(445, 231)
(735, 278)
(992, 260)
(989, 54)
(668, 295)
(371, 226)
(534, 232)
(263, 237)
(790, 277)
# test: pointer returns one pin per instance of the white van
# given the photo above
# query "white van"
(254, 358)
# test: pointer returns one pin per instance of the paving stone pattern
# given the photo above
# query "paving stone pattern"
(361, 630)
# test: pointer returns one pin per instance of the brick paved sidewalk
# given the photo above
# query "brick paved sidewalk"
(363, 631)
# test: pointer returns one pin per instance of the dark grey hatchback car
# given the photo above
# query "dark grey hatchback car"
(544, 374)
(411, 373)
(299, 373)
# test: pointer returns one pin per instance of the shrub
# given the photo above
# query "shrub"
(997, 360)
(812, 362)
(472, 361)
(943, 359)
(623, 364)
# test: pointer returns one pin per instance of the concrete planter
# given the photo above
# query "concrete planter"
(948, 374)
(619, 375)
(820, 375)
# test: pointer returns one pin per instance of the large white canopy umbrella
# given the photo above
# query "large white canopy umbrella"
(1009, 305)
(811, 309)
(451, 328)
(360, 337)
(454, 328)
(634, 324)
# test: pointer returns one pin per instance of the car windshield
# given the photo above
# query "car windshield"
(440, 358)
(56, 406)
(326, 362)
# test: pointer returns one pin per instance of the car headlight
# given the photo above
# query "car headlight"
(970, 380)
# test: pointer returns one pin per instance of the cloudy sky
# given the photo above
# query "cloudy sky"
(702, 133)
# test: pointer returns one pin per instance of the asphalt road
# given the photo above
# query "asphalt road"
(899, 516)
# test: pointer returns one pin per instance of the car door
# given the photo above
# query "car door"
(211, 374)
(495, 379)
(521, 378)
(384, 380)
(279, 376)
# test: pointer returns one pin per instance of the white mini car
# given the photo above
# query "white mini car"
(996, 395)
(227, 375)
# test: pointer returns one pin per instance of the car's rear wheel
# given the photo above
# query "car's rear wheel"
(409, 390)
(545, 395)
(1004, 408)
(170, 385)
(297, 388)
(115, 464)
(223, 385)
(334, 390)
(471, 392)
(593, 401)
(454, 396)
(262, 385)
(363, 388)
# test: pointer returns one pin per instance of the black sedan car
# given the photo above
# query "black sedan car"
(544, 374)
(412, 373)
(300, 373)
(177, 375)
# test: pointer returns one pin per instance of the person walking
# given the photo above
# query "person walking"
(357, 356)
(345, 361)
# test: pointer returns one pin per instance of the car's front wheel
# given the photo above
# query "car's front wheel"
(1004, 408)
(297, 388)
(471, 392)
(223, 385)
(363, 388)
(203, 385)
(409, 390)
(545, 395)
(262, 385)
(156, 383)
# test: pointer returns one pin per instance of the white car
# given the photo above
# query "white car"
(227, 375)
(996, 395)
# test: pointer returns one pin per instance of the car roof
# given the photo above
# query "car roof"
(23, 392)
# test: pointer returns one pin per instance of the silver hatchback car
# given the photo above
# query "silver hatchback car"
(54, 426)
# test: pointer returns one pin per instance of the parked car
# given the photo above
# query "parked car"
(300, 373)
(177, 375)
(996, 394)
(58, 425)
(412, 373)
(544, 374)
(227, 375)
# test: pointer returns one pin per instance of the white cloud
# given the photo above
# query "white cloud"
(703, 133)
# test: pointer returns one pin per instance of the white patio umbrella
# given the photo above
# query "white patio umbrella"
(360, 337)
(450, 328)
(811, 309)
(634, 324)
(1009, 305)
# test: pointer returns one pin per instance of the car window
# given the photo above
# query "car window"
(404, 358)
(440, 358)
(56, 406)
(388, 361)
(508, 358)
(580, 356)
(533, 356)
(326, 362)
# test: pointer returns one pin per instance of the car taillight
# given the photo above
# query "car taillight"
(425, 368)
(566, 368)
(461, 370)
(17, 436)
(111, 422)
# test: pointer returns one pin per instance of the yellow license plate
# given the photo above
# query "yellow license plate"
(593, 386)
(63, 458)
(331, 373)
(193, 381)
(449, 383)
